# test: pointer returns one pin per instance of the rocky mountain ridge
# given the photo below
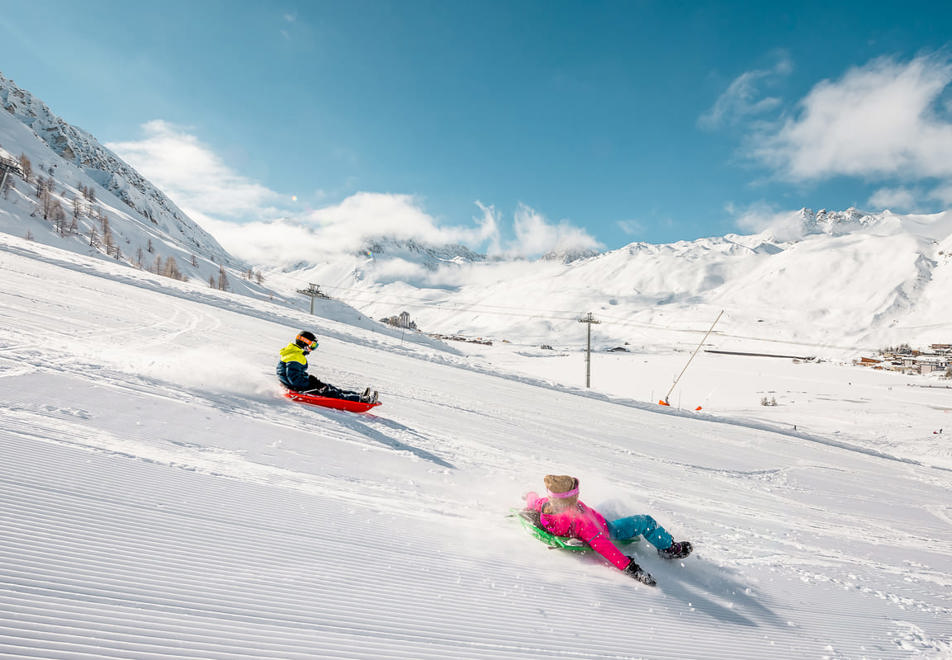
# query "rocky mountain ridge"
(104, 168)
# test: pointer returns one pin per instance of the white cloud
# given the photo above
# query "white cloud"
(366, 215)
(631, 227)
(943, 193)
(877, 121)
(192, 174)
(895, 199)
(743, 97)
(763, 217)
(277, 242)
(340, 228)
(489, 232)
(346, 227)
(218, 198)
(535, 235)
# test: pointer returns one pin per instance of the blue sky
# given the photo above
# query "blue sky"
(511, 126)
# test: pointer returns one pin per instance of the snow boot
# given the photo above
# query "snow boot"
(635, 571)
(677, 550)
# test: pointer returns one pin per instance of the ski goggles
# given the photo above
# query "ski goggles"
(311, 344)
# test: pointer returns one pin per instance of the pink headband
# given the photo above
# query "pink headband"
(566, 494)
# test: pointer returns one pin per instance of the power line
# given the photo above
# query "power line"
(355, 296)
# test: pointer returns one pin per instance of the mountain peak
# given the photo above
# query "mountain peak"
(106, 169)
(836, 222)
(430, 256)
(76, 194)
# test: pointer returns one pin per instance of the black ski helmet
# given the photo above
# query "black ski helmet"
(306, 340)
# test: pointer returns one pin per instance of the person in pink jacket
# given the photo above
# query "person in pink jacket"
(563, 514)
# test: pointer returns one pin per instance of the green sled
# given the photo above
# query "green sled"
(551, 540)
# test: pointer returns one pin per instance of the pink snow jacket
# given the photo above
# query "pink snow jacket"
(580, 522)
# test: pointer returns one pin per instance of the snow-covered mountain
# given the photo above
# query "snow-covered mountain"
(160, 499)
(833, 281)
(430, 257)
(96, 203)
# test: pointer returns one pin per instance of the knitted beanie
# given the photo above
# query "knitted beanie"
(560, 483)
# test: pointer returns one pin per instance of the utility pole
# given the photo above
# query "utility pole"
(588, 353)
(313, 291)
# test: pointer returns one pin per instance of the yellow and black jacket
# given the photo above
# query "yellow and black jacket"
(292, 368)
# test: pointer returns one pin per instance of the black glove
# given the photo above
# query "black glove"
(635, 571)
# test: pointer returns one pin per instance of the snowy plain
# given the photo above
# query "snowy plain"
(159, 499)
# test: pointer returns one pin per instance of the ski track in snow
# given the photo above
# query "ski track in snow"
(158, 499)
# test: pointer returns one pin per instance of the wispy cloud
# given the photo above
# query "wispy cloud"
(765, 217)
(345, 226)
(348, 226)
(943, 193)
(535, 235)
(881, 121)
(744, 97)
(896, 199)
(191, 173)
(631, 227)
(260, 225)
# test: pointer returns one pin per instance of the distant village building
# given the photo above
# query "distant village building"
(908, 360)
(468, 340)
(401, 321)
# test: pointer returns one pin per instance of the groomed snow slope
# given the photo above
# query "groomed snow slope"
(159, 499)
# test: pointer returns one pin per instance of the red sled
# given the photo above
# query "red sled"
(328, 402)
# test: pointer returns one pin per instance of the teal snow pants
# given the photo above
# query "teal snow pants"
(632, 526)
